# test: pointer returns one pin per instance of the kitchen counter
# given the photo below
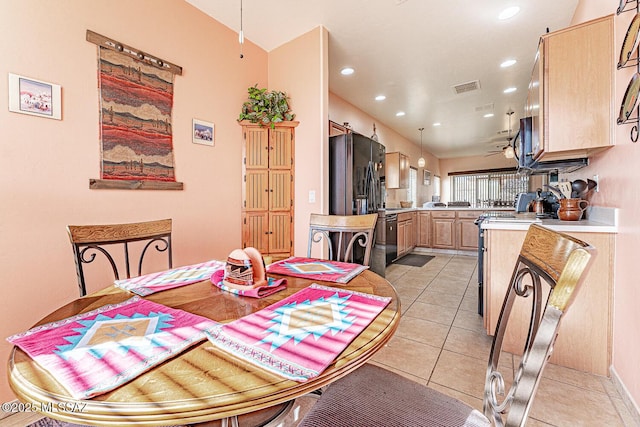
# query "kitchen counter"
(600, 220)
(388, 211)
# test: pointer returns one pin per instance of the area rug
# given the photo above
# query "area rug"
(414, 260)
(95, 352)
(169, 279)
(317, 269)
(301, 335)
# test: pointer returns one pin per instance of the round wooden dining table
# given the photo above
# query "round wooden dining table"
(202, 384)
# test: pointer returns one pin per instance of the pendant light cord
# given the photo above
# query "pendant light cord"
(241, 35)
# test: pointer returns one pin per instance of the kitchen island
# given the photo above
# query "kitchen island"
(585, 338)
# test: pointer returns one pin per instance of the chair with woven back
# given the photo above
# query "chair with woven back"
(91, 240)
(371, 396)
(343, 233)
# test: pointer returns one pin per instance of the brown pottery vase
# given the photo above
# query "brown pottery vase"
(572, 209)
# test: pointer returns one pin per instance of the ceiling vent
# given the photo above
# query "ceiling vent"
(466, 87)
(487, 108)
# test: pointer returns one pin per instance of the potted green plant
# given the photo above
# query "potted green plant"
(266, 107)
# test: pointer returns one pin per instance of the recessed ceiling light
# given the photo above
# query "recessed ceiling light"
(508, 63)
(400, 114)
(347, 71)
(509, 12)
(510, 90)
(436, 124)
(380, 98)
(488, 115)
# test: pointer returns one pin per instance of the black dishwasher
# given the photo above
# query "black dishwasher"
(391, 237)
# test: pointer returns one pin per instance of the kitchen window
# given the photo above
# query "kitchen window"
(488, 189)
(412, 191)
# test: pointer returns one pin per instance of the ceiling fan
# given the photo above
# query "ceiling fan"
(507, 148)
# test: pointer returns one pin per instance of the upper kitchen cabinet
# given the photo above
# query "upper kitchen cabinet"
(570, 97)
(268, 187)
(396, 170)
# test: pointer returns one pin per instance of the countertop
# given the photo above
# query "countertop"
(601, 220)
(388, 211)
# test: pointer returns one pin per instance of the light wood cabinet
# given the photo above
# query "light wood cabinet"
(448, 229)
(268, 188)
(396, 170)
(467, 230)
(443, 229)
(424, 229)
(585, 337)
(571, 92)
(406, 232)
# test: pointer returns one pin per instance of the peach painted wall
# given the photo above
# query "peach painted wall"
(46, 164)
(340, 111)
(300, 66)
(619, 174)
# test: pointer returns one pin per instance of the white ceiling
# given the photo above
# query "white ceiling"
(414, 52)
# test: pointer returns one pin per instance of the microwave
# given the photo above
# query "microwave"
(522, 145)
(523, 150)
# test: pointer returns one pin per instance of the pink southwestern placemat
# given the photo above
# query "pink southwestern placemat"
(317, 269)
(95, 352)
(301, 335)
(169, 279)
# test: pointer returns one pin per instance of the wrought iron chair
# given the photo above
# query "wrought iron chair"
(343, 233)
(373, 396)
(89, 240)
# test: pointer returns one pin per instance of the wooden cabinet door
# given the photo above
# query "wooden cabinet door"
(575, 91)
(410, 235)
(579, 72)
(404, 171)
(256, 190)
(424, 228)
(280, 148)
(255, 230)
(279, 232)
(256, 147)
(443, 233)
(467, 234)
(280, 197)
(402, 243)
(392, 170)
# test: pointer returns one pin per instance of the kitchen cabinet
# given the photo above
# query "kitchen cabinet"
(585, 337)
(406, 232)
(467, 230)
(268, 188)
(396, 170)
(424, 229)
(443, 229)
(448, 229)
(571, 97)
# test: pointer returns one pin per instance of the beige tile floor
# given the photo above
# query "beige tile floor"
(441, 342)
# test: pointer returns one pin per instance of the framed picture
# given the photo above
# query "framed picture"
(427, 177)
(34, 97)
(203, 132)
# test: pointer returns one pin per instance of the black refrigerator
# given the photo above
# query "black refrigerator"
(356, 174)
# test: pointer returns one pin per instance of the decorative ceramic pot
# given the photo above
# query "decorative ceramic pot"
(572, 209)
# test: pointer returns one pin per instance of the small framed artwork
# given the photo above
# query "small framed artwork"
(427, 178)
(34, 97)
(203, 132)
